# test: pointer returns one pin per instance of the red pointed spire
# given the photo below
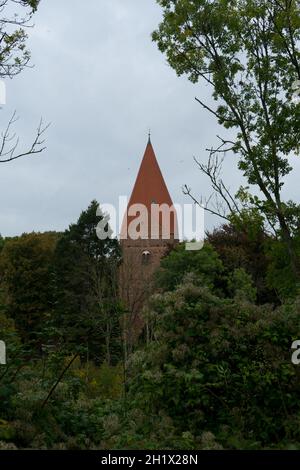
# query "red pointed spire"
(150, 188)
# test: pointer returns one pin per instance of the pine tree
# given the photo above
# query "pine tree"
(86, 300)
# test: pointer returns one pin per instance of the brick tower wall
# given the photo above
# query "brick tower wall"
(138, 268)
(141, 257)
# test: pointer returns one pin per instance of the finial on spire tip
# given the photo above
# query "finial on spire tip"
(149, 137)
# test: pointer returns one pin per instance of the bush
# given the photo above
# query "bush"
(220, 366)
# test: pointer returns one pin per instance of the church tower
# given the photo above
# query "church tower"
(146, 237)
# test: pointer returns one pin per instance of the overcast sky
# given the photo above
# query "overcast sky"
(102, 83)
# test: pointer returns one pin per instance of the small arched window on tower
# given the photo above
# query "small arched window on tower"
(146, 257)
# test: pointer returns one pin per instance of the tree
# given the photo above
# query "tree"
(247, 52)
(86, 299)
(205, 264)
(13, 53)
(26, 277)
(279, 275)
(219, 365)
(246, 246)
(15, 16)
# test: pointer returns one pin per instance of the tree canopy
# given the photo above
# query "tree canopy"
(247, 52)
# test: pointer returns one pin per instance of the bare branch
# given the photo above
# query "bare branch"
(213, 170)
(10, 143)
(188, 192)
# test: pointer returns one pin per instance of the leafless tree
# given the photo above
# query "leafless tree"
(15, 16)
(9, 142)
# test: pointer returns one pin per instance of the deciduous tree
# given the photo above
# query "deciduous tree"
(247, 53)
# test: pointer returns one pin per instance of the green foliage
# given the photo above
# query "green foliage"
(247, 52)
(222, 366)
(13, 53)
(205, 264)
(239, 248)
(25, 267)
(87, 308)
(102, 381)
(201, 37)
(279, 275)
(7, 432)
(241, 285)
(248, 220)
(212, 371)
